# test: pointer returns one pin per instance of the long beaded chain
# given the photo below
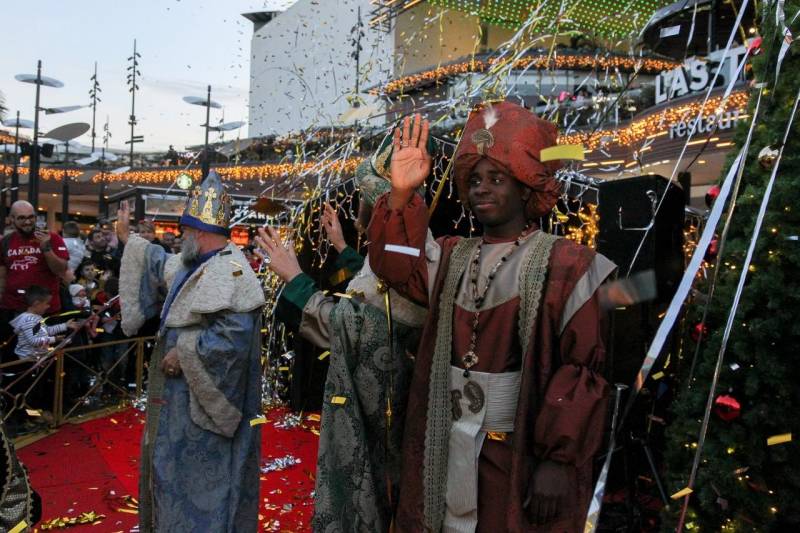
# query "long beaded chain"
(470, 358)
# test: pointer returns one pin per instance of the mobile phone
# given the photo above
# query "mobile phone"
(41, 225)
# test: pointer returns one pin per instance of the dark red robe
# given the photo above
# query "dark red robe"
(563, 401)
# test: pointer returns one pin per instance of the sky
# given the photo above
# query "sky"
(184, 45)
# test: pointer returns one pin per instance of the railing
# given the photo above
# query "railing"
(26, 382)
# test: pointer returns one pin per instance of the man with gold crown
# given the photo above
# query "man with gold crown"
(200, 454)
(507, 403)
(366, 389)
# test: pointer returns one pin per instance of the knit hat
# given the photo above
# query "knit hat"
(75, 289)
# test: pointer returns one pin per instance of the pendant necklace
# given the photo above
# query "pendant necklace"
(470, 358)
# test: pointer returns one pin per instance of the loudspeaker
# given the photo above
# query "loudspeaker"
(643, 217)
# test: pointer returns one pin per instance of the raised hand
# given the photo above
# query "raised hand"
(411, 162)
(332, 227)
(123, 226)
(279, 258)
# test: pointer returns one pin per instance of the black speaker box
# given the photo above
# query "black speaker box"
(627, 224)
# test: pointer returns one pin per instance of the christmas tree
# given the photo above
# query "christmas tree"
(745, 481)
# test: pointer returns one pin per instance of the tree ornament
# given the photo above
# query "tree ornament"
(767, 157)
(712, 250)
(711, 195)
(699, 329)
(727, 407)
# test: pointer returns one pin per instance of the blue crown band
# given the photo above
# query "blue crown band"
(196, 223)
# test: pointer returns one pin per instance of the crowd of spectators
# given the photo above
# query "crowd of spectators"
(50, 285)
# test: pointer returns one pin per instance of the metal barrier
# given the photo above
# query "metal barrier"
(25, 382)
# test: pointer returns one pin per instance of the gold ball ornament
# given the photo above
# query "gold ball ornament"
(767, 157)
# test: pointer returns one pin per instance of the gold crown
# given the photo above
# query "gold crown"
(208, 214)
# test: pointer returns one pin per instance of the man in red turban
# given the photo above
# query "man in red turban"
(507, 403)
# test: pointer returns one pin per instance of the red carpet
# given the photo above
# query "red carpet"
(93, 466)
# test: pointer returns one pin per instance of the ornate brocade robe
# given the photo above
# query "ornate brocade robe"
(562, 404)
(199, 465)
(358, 464)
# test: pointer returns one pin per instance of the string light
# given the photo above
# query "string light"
(536, 62)
(656, 124)
(269, 171)
(608, 18)
(589, 226)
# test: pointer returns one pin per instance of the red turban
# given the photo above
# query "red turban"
(512, 138)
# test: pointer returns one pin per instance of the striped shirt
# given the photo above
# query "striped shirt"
(33, 337)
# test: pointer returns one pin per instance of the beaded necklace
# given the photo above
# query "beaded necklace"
(470, 358)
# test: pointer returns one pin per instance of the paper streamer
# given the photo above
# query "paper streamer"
(711, 87)
(735, 305)
(666, 326)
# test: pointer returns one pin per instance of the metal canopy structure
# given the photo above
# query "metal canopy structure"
(707, 22)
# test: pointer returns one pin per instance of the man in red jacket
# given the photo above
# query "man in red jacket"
(507, 403)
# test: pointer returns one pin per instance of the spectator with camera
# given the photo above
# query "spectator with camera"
(30, 255)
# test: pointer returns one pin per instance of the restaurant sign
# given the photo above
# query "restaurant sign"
(697, 73)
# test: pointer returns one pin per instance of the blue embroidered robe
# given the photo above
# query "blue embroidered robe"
(200, 455)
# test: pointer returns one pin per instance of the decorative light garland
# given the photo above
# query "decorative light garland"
(237, 173)
(540, 62)
(653, 124)
(656, 123)
(607, 18)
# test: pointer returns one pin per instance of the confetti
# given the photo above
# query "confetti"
(681, 493)
(779, 439)
(19, 527)
(281, 463)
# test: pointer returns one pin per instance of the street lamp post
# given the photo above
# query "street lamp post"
(208, 103)
(65, 134)
(33, 168)
(206, 164)
(15, 174)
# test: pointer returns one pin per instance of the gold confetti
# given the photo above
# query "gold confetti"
(779, 439)
(681, 493)
(313, 417)
(338, 400)
(323, 355)
(237, 273)
(573, 152)
(19, 527)
(258, 420)
(658, 375)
